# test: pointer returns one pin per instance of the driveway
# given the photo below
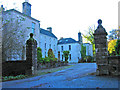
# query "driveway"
(77, 76)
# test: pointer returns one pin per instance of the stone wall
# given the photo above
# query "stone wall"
(28, 66)
(14, 68)
(31, 54)
(106, 65)
(51, 65)
(1, 40)
(114, 65)
(101, 49)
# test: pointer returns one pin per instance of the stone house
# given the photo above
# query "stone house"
(16, 29)
(18, 25)
(24, 24)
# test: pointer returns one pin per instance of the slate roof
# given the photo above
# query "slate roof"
(48, 33)
(66, 41)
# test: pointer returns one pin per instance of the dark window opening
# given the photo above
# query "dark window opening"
(62, 57)
(62, 48)
(45, 45)
(70, 56)
(69, 47)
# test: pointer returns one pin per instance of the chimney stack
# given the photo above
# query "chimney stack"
(49, 29)
(79, 37)
(2, 8)
(26, 8)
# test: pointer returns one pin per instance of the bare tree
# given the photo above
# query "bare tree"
(90, 37)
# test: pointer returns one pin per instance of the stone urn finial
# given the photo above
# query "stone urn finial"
(100, 29)
(31, 35)
(99, 22)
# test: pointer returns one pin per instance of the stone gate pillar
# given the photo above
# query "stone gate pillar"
(101, 49)
(31, 55)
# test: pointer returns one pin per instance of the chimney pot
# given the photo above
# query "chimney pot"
(49, 29)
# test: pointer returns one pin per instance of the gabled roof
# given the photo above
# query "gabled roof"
(66, 41)
(21, 14)
(48, 33)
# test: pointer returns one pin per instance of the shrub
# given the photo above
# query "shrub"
(46, 60)
(55, 59)
(39, 55)
(66, 54)
(51, 54)
(8, 78)
(51, 57)
(89, 58)
(117, 47)
(83, 53)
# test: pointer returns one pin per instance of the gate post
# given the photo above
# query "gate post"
(31, 55)
(101, 49)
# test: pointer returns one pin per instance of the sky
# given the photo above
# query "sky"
(68, 17)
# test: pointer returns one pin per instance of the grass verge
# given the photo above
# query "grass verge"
(51, 70)
(39, 72)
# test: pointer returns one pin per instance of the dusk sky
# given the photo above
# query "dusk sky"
(68, 17)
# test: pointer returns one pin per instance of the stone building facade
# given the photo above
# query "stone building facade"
(19, 25)
(16, 27)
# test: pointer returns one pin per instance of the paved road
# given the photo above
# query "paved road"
(74, 77)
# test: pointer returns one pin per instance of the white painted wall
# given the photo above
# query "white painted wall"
(48, 40)
(75, 51)
(89, 49)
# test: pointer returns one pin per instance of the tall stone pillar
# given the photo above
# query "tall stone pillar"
(31, 55)
(101, 49)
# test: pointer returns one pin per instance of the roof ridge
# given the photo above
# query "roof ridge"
(46, 32)
(21, 14)
(67, 40)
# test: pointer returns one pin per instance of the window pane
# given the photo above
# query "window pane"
(45, 45)
(70, 56)
(33, 30)
(62, 48)
(33, 25)
(69, 47)
(62, 57)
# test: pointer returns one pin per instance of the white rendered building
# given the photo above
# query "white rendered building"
(71, 45)
(47, 41)
(89, 49)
